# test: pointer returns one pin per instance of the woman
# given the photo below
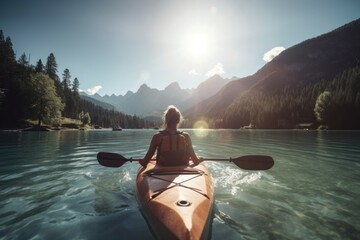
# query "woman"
(173, 147)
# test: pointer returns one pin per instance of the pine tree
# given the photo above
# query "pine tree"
(23, 60)
(66, 82)
(75, 86)
(11, 105)
(51, 67)
(51, 70)
(7, 61)
(39, 67)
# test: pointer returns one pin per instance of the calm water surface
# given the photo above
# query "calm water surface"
(53, 188)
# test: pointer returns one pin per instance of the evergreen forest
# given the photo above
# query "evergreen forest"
(334, 103)
(37, 93)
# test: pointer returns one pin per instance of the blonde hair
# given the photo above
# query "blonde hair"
(172, 115)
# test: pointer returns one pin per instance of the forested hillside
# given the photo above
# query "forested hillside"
(30, 92)
(285, 107)
(285, 91)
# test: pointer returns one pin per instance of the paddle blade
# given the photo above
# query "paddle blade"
(254, 162)
(111, 159)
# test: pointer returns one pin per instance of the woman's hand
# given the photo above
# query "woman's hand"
(143, 162)
(198, 160)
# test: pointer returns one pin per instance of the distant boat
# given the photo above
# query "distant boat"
(117, 129)
(250, 126)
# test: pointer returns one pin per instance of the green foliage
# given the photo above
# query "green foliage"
(281, 110)
(284, 107)
(70, 97)
(13, 105)
(110, 118)
(23, 60)
(75, 86)
(28, 92)
(85, 118)
(66, 79)
(323, 107)
(45, 104)
(345, 107)
(39, 66)
(51, 67)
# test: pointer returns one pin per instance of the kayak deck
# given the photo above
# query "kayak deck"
(177, 201)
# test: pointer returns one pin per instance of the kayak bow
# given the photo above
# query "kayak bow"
(176, 201)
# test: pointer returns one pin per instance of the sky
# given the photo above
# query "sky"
(113, 46)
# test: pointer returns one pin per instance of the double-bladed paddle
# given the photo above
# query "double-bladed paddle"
(249, 162)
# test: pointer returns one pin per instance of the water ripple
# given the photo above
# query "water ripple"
(53, 187)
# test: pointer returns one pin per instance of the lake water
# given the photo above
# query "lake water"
(52, 186)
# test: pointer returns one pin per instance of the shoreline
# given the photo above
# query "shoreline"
(42, 129)
(66, 129)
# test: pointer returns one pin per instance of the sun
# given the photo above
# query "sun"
(197, 45)
(197, 42)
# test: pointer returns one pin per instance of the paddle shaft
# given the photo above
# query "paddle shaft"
(205, 159)
(248, 162)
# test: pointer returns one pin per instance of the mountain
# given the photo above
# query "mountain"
(204, 91)
(216, 104)
(151, 103)
(97, 102)
(147, 100)
(280, 85)
(112, 99)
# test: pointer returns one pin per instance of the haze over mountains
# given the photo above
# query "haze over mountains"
(152, 102)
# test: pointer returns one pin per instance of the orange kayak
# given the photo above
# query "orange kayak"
(176, 201)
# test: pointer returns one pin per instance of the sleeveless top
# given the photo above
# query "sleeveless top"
(172, 149)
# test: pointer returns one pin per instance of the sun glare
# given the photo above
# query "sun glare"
(197, 42)
(201, 128)
(197, 45)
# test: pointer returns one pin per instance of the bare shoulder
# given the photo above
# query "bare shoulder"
(187, 136)
(156, 137)
(157, 134)
(185, 133)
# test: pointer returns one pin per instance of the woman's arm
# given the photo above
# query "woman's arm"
(192, 154)
(151, 151)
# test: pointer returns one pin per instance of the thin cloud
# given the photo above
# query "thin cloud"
(92, 91)
(270, 55)
(217, 69)
(193, 72)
